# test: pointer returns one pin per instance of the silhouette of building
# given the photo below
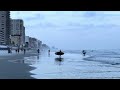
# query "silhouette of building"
(5, 27)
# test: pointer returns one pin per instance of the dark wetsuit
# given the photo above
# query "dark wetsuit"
(84, 52)
(38, 51)
(48, 52)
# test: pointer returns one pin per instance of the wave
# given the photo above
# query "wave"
(110, 56)
(104, 56)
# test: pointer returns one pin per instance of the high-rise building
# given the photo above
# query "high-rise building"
(23, 36)
(27, 41)
(16, 26)
(5, 27)
(17, 32)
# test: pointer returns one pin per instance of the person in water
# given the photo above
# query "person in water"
(84, 52)
(49, 52)
(60, 54)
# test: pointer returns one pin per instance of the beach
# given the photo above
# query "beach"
(10, 70)
(72, 65)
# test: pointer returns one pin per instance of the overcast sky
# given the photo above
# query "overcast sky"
(73, 29)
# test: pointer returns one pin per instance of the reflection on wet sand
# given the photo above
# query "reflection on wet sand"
(32, 60)
(38, 57)
(59, 61)
(48, 55)
(27, 60)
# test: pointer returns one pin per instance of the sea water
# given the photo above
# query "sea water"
(97, 64)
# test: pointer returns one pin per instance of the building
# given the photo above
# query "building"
(32, 42)
(17, 32)
(23, 36)
(5, 27)
(44, 47)
(39, 44)
(27, 41)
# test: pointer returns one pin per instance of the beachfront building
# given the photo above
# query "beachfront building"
(23, 36)
(45, 47)
(4, 27)
(17, 32)
(39, 44)
(32, 42)
(27, 41)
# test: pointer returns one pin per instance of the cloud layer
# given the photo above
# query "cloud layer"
(73, 29)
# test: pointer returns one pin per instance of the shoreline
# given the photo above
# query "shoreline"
(11, 70)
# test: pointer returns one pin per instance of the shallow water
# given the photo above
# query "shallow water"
(95, 65)
(73, 66)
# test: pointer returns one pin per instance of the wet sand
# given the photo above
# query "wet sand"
(10, 70)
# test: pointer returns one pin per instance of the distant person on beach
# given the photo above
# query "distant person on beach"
(9, 50)
(48, 52)
(38, 51)
(84, 52)
(18, 50)
(24, 51)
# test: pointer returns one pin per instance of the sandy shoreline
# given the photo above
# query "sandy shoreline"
(10, 70)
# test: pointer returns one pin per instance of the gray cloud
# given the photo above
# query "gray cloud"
(75, 29)
(35, 17)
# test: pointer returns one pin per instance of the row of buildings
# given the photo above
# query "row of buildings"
(12, 33)
(31, 42)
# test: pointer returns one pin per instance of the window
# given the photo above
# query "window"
(17, 26)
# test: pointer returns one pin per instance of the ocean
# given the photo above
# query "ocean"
(97, 64)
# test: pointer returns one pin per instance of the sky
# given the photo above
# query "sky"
(73, 30)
